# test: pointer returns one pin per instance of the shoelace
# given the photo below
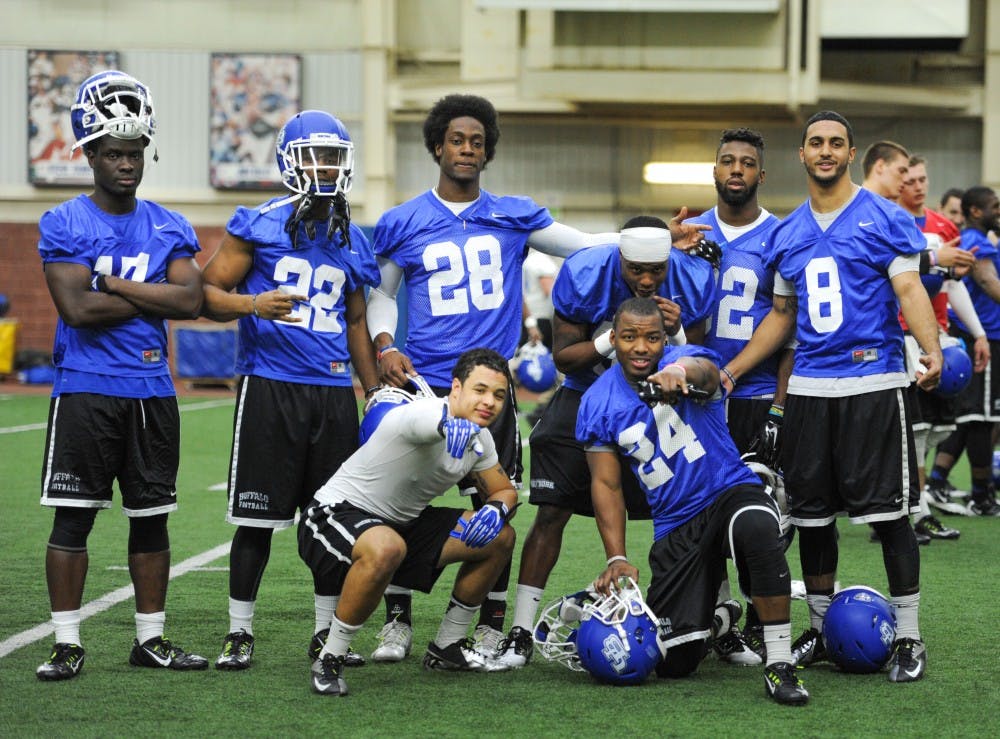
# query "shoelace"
(393, 634)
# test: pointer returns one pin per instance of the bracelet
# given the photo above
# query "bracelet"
(253, 304)
(383, 351)
(602, 344)
(679, 366)
(371, 390)
(617, 558)
(777, 410)
(729, 374)
(530, 322)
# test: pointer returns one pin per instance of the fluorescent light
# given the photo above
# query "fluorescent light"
(678, 173)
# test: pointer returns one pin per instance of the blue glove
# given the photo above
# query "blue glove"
(458, 433)
(484, 525)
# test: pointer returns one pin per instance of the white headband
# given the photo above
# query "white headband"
(645, 244)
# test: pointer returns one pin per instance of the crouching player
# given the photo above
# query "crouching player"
(706, 504)
(371, 524)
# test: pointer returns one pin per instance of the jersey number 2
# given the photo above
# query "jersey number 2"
(318, 313)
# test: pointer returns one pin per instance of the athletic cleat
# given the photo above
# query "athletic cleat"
(395, 641)
(351, 659)
(782, 685)
(326, 675)
(753, 636)
(487, 640)
(932, 527)
(65, 662)
(984, 506)
(729, 644)
(159, 652)
(237, 651)
(939, 494)
(461, 656)
(809, 649)
(908, 661)
(515, 650)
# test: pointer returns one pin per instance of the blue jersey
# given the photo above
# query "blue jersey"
(682, 455)
(462, 275)
(987, 309)
(127, 359)
(590, 287)
(313, 351)
(849, 338)
(743, 294)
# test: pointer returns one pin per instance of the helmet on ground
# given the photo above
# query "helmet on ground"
(557, 627)
(112, 103)
(536, 370)
(956, 371)
(619, 639)
(310, 146)
(859, 629)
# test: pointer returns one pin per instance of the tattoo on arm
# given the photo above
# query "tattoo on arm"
(786, 304)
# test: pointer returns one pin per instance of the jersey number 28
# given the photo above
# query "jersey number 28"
(477, 263)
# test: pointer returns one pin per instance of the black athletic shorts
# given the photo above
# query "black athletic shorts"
(852, 454)
(745, 417)
(980, 400)
(327, 535)
(93, 440)
(559, 472)
(288, 440)
(688, 565)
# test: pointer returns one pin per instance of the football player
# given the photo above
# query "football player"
(372, 522)
(845, 262)
(590, 286)
(116, 267)
(293, 270)
(459, 250)
(706, 504)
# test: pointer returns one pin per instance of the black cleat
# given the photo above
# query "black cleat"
(351, 659)
(908, 661)
(753, 636)
(932, 527)
(782, 685)
(516, 649)
(326, 675)
(460, 656)
(159, 652)
(237, 651)
(64, 662)
(808, 649)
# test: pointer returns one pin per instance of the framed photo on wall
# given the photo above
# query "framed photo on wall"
(252, 96)
(53, 77)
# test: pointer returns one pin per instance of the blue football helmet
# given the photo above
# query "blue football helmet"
(115, 104)
(310, 147)
(956, 371)
(557, 627)
(536, 370)
(387, 399)
(620, 639)
(859, 629)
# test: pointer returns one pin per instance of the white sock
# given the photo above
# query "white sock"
(340, 637)
(526, 607)
(455, 624)
(778, 642)
(241, 615)
(326, 605)
(818, 605)
(907, 622)
(67, 626)
(149, 625)
(725, 593)
(721, 621)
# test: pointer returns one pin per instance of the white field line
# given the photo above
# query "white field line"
(204, 405)
(108, 600)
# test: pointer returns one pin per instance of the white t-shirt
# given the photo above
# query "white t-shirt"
(537, 266)
(404, 465)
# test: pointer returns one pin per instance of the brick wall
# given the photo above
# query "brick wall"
(22, 280)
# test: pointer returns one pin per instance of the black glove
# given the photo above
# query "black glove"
(709, 251)
(767, 444)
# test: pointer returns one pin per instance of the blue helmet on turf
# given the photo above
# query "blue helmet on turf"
(859, 629)
(956, 371)
(536, 369)
(557, 628)
(619, 639)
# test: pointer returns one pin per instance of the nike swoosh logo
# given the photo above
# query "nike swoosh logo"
(165, 661)
(161, 226)
(865, 223)
(914, 672)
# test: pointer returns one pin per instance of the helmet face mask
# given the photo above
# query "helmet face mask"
(556, 631)
(315, 155)
(115, 104)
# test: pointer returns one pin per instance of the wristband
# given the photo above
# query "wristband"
(932, 255)
(253, 305)
(602, 344)
(729, 374)
(617, 558)
(383, 351)
(679, 366)
(530, 322)
(777, 410)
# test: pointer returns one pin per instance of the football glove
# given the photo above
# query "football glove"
(767, 443)
(709, 251)
(484, 525)
(458, 433)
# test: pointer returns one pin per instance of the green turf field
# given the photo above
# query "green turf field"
(959, 696)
